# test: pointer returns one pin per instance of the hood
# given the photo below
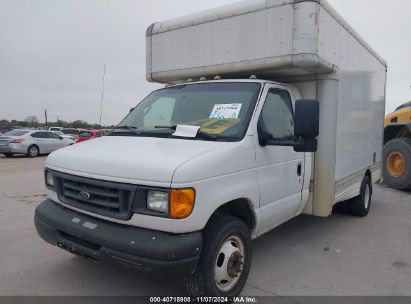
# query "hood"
(135, 158)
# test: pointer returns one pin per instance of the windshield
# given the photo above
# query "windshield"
(219, 109)
(70, 131)
(85, 134)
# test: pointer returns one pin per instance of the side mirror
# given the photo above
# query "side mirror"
(307, 118)
(131, 110)
(307, 125)
(306, 128)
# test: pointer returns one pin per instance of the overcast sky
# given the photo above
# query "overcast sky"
(52, 52)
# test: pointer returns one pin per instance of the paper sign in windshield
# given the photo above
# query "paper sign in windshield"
(186, 131)
(226, 111)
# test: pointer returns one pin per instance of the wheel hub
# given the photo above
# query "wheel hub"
(235, 264)
(229, 263)
(33, 151)
(396, 164)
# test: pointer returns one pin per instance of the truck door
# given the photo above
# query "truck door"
(280, 169)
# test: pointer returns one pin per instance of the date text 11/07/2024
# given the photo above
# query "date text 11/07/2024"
(203, 300)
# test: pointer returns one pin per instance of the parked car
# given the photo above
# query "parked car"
(71, 131)
(31, 142)
(68, 136)
(55, 129)
(5, 129)
(90, 134)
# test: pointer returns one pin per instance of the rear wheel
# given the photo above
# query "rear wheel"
(397, 163)
(360, 205)
(33, 151)
(9, 154)
(225, 259)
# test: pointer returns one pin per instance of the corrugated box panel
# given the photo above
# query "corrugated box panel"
(269, 38)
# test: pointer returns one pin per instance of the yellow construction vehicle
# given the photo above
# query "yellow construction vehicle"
(397, 148)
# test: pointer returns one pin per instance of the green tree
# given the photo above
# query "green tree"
(79, 124)
(4, 122)
(61, 123)
(32, 121)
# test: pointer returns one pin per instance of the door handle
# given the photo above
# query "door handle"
(299, 169)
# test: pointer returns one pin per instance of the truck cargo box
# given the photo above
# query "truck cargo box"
(304, 43)
(271, 39)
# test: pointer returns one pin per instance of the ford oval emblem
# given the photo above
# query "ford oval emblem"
(84, 195)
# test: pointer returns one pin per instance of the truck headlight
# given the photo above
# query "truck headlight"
(176, 203)
(49, 179)
(157, 201)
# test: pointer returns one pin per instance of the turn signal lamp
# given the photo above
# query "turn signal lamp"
(181, 203)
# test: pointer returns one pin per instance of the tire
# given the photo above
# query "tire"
(343, 207)
(8, 154)
(397, 163)
(33, 151)
(360, 205)
(223, 234)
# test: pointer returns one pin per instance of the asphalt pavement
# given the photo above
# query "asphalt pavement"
(308, 256)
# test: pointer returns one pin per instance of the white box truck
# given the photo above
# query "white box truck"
(219, 157)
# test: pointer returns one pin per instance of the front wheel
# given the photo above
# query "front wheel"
(9, 154)
(225, 259)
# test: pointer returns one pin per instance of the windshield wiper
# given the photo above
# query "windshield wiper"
(172, 127)
(126, 127)
(130, 129)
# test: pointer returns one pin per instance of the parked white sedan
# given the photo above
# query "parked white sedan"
(31, 142)
(69, 136)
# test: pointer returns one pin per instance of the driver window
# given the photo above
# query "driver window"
(277, 115)
(160, 112)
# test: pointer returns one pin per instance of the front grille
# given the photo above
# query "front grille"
(105, 198)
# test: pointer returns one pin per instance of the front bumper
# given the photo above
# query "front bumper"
(107, 242)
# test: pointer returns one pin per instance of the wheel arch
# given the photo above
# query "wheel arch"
(393, 131)
(240, 208)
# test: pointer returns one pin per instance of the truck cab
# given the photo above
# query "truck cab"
(191, 154)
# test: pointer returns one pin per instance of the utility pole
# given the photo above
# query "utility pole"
(102, 93)
(45, 115)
